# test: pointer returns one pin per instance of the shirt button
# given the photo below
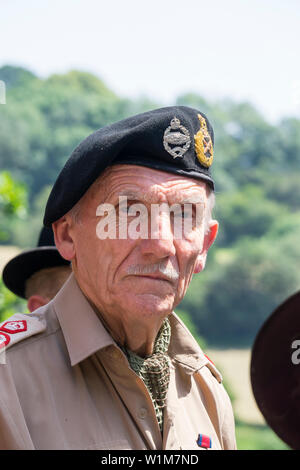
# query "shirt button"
(143, 413)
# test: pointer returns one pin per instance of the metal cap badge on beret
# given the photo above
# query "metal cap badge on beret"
(176, 139)
(275, 371)
(21, 267)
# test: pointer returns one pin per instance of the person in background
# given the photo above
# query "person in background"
(274, 370)
(38, 274)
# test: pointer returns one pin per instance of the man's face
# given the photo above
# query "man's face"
(145, 277)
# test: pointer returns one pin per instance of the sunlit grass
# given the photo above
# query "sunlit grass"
(257, 437)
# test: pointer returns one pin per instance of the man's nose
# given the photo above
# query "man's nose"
(160, 242)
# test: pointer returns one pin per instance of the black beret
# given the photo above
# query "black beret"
(23, 266)
(176, 139)
(275, 370)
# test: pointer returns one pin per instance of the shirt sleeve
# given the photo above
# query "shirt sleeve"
(14, 434)
(228, 424)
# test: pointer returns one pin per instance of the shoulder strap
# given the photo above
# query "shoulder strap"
(19, 327)
(211, 366)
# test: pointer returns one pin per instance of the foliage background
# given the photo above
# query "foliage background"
(253, 265)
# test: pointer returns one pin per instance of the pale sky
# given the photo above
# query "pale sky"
(242, 49)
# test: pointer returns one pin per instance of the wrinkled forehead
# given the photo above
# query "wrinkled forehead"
(146, 184)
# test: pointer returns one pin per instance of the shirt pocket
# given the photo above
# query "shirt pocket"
(110, 445)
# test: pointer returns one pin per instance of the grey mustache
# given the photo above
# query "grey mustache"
(169, 272)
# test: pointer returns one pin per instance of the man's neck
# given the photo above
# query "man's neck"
(134, 336)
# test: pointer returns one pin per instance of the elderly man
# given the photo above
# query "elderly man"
(108, 364)
(37, 275)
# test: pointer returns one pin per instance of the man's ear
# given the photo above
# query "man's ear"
(209, 238)
(36, 301)
(63, 239)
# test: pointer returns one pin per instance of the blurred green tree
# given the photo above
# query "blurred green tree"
(253, 263)
(13, 203)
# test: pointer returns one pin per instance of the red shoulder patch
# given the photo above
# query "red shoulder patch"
(4, 339)
(16, 326)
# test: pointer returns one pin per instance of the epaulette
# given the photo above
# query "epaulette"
(19, 327)
(211, 366)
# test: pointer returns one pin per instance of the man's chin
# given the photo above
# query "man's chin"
(149, 304)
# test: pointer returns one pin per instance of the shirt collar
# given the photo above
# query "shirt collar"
(85, 334)
(83, 330)
(185, 350)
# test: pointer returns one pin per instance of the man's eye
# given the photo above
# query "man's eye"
(123, 209)
(180, 214)
(188, 212)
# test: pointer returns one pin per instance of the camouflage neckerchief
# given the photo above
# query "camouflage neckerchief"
(154, 370)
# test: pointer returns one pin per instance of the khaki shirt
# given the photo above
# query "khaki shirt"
(67, 385)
